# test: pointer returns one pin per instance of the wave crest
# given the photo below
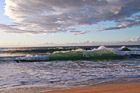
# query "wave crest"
(100, 53)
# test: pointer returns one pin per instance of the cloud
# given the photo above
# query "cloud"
(79, 32)
(9, 28)
(52, 16)
(134, 41)
(124, 24)
(136, 17)
(13, 29)
(137, 39)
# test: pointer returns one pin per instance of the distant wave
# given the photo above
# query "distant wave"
(101, 53)
(35, 50)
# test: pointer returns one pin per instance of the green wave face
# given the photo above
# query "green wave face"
(80, 55)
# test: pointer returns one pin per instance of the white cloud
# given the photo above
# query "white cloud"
(137, 39)
(134, 41)
(52, 16)
(124, 24)
(136, 17)
(79, 32)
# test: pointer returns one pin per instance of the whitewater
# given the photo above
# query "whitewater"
(45, 72)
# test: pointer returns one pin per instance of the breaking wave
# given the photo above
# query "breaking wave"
(100, 53)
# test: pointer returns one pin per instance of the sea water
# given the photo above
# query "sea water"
(13, 74)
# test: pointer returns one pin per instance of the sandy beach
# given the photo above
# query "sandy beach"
(115, 88)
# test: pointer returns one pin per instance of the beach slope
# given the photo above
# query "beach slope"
(115, 88)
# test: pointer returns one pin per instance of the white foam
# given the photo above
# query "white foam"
(17, 74)
(123, 47)
(37, 57)
(98, 50)
(101, 48)
(79, 49)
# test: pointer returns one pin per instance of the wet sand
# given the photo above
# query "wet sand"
(115, 88)
(28, 89)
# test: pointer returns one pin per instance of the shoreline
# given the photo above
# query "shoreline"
(71, 88)
(114, 88)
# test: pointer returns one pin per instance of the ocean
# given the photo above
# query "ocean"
(32, 65)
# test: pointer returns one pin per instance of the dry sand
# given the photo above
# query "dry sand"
(115, 88)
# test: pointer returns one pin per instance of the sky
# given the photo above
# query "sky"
(69, 22)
